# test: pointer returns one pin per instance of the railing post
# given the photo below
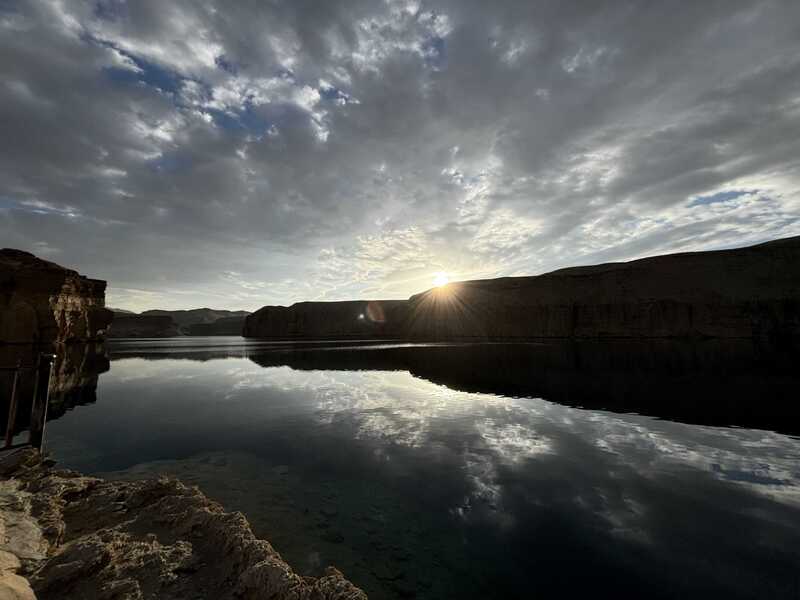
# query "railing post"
(12, 408)
(44, 368)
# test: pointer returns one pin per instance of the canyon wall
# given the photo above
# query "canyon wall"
(143, 326)
(42, 302)
(171, 323)
(329, 320)
(751, 292)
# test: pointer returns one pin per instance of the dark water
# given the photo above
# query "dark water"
(492, 471)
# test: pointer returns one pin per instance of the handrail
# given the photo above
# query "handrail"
(38, 409)
(12, 410)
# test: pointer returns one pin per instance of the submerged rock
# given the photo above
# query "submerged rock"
(149, 539)
(42, 302)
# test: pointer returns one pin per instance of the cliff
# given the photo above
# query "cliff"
(751, 292)
(329, 320)
(141, 326)
(196, 316)
(42, 302)
(82, 537)
(171, 323)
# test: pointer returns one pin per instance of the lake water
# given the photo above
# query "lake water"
(491, 471)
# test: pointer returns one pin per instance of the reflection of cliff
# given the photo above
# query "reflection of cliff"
(43, 302)
(75, 374)
(73, 381)
(715, 382)
(749, 292)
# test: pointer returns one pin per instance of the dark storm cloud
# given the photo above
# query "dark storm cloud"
(245, 153)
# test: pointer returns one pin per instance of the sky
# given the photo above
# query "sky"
(238, 154)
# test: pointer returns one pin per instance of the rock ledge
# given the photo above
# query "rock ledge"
(136, 540)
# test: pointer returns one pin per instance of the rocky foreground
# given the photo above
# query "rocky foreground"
(751, 293)
(63, 535)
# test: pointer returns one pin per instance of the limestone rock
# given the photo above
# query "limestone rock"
(153, 539)
(15, 587)
(42, 302)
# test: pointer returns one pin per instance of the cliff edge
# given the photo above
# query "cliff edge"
(42, 302)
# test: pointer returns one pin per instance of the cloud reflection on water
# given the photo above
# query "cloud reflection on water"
(510, 483)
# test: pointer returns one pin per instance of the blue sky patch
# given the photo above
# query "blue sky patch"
(434, 50)
(726, 196)
(246, 119)
(152, 75)
(110, 10)
(170, 162)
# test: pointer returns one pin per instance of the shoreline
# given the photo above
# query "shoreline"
(63, 534)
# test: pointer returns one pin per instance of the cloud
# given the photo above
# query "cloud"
(168, 145)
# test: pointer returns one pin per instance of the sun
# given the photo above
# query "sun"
(441, 279)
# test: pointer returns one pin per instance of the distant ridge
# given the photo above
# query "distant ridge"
(171, 323)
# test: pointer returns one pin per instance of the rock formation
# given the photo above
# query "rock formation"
(90, 538)
(329, 320)
(195, 316)
(171, 323)
(42, 302)
(751, 292)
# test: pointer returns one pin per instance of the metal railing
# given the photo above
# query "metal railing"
(41, 399)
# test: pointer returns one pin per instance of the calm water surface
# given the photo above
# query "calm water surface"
(366, 460)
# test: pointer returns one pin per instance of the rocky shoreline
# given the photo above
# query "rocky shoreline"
(64, 535)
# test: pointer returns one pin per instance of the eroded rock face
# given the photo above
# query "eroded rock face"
(42, 302)
(151, 539)
(749, 292)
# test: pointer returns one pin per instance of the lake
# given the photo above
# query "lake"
(603, 470)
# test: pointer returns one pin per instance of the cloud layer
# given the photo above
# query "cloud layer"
(249, 153)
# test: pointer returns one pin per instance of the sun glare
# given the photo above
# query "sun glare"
(441, 279)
